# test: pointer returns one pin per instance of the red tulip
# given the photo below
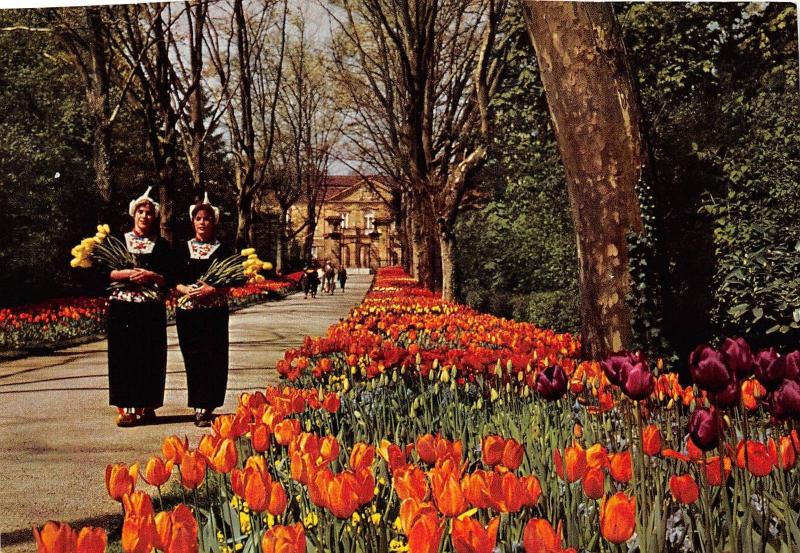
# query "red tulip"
(593, 483)
(738, 356)
(193, 470)
(492, 449)
(651, 440)
(620, 466)
(513, 453)
(708, 368)
(755, 457)
(704, 428)
(684, 489)
(156, 472)
(618, 517)
(91, 540)
(539, 537)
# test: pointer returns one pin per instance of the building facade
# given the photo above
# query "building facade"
(356, 227)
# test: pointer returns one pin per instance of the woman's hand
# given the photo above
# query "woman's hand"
(145, 276)
(201, 290)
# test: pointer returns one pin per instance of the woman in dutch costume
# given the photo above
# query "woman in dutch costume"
(202, 319)
(137, 319)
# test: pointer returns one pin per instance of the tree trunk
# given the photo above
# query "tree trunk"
(426, 244)
(243, 212)
(280, 250)
(196, 102)
(596, 119)
(97, 96)
(311, 218)
(447, 246)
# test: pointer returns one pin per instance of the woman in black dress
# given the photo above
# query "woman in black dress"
(203, 320)
(137, 319)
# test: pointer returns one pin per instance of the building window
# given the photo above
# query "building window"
(369, 221)
(345, 219)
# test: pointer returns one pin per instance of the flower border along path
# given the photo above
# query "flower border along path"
(421, 425)
(61, 323)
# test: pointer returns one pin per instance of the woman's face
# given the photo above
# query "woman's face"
(143, 218)
(203, 222)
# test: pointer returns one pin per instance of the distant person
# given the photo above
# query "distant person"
(311, 280)
(321, 278)
(137, 319)
(342, 277)
(202, 321)
(330, 274)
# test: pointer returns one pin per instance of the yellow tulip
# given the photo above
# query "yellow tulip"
(248, 251)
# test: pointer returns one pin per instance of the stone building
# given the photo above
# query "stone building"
(356, 226)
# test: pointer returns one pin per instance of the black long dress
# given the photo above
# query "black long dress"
(137, 331)
(203, 328)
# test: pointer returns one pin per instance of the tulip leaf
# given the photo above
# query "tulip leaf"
(758, 312)
(796, 315)
(738, 310)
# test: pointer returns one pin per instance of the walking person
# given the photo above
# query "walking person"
(137, 319)
(342, 277)
(202, 321)
(311, 280)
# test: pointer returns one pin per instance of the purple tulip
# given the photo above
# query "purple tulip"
(793, 366)
(727, 397)
(738, 356)
(770, 368)
(637, 380)
(704, 428)
(614, 364)
(784, 402)
(551, 383)
(708, 368)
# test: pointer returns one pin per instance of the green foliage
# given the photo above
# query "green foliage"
(47, 195)
(516, 255)
(720, 94)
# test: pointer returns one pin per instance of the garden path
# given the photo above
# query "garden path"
(57, 431)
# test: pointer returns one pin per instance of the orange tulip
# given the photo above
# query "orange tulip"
(173, 449)
(752, 392)
(783, 455)
(475, 488)
(156, 472)
(208, 443)
(394, 456)
(597, 457)
(224, 457)
(620, 466)
(328, 448)
(618, 517)
(492, 449)
(230, 426)
(469, 535)
(684, 489)
(533, 490)
(593, 483)
(91, 540)
(257, 488)
(717, 472)
(177, 530)
(425, 449)
(651, 440)
(513, 453)
(694, 452)
(331, 402)
(55, 537)
(342, 497)
(446, 490)
(260, 437)
(139, 533)
(754, 456)
(410, 481)
(411, 510)
(120, 480)
(574, 462)
(362, 456)
(284, 539)
(193, 470)
(506, 493)
(286, 430)
(425, 533)
(539, 537)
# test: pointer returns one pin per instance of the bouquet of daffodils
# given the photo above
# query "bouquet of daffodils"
(110, 252)
(232, 270)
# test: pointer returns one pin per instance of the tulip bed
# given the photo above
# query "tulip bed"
(54, 322)
(420, 425)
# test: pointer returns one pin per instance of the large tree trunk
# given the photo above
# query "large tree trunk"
(196, 102)
(596, 118)
(311, 226)
(426, 244)
(280, 250)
